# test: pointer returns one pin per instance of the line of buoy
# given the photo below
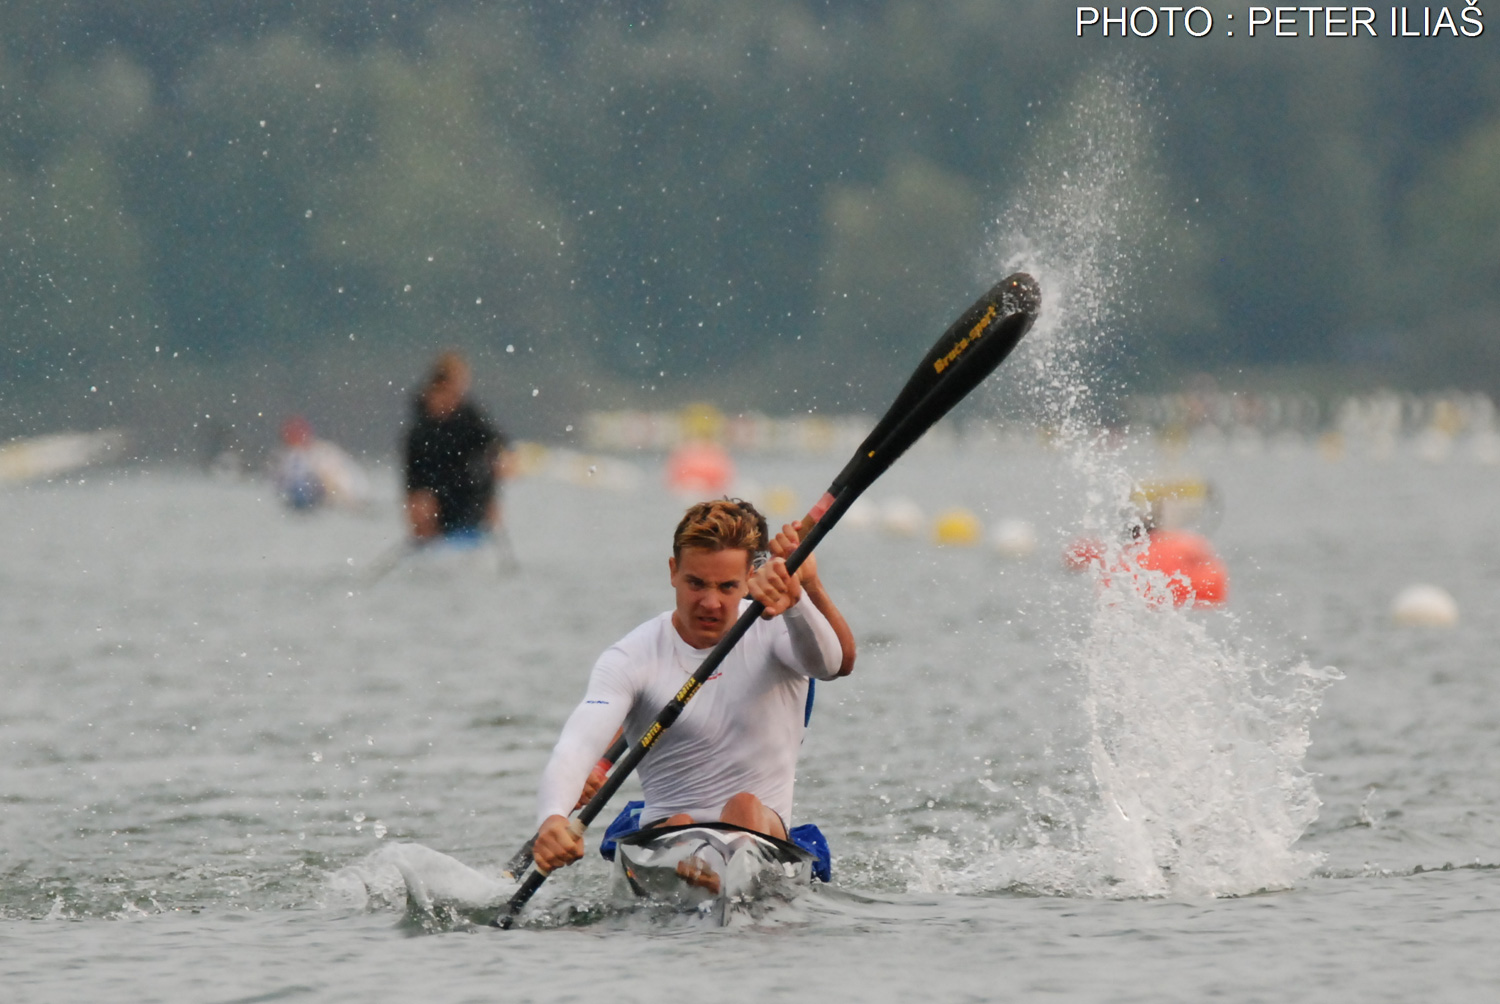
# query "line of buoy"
(899, 516)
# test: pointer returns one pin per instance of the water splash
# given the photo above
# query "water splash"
(1195, 748)
(439, 892)
(1080, 223)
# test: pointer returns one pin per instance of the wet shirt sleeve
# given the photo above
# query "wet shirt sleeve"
(586, 735)
(809, 645)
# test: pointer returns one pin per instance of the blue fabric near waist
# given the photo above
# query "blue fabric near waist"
(811, 839)
(623, 825)
(807, 836)
(465, 538)
(304, 492)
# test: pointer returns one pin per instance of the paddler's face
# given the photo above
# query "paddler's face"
(443, 397)
(709, 585)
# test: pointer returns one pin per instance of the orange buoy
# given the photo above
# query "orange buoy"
(1195, 573)
(700, 468)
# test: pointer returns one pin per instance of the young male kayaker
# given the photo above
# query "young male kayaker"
(732, 754)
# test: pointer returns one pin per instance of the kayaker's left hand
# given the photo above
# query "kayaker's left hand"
(556, 845)
(775, 587)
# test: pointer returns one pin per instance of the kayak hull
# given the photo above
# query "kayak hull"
(708, 868)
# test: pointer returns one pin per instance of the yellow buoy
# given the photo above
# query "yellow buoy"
(957, 527)
(524, 459)
(781, 502)
(1175, 503)
(701, 420)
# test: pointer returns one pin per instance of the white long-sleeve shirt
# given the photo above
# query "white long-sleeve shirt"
(741, 731)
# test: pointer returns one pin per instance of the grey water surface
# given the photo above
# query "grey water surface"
(210, 716)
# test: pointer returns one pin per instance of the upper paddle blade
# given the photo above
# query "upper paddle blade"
(966, 353)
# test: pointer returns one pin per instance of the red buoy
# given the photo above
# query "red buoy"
(699, 468)
(1195, 573)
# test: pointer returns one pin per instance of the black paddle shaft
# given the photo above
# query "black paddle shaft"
(968, 352)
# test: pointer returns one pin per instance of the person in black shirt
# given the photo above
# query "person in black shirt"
(453, 456)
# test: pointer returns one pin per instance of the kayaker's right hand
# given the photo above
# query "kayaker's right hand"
(775, 588)
(556, 845)
(784, 543)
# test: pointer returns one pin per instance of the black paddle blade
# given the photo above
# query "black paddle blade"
(519, 861)
(966, 353)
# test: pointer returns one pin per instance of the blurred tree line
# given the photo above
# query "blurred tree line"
(218, 212)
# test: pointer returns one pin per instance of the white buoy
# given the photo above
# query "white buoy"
(1013, 538)
(1424, 605)
(902, 517)
(1484, 447)
(861, 515)
(1434, 446)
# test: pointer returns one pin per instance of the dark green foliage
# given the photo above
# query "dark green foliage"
(602, 201)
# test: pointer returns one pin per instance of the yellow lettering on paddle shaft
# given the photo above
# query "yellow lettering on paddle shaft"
(688, 690)
(650, 737)
(973, 336)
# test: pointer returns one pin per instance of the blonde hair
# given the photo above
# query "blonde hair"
(724, 524)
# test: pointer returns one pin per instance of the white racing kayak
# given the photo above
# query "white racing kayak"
(710, 868)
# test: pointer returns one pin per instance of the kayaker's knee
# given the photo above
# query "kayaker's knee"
(745, 809)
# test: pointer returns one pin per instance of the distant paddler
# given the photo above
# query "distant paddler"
(310, 472)
(454, 458)
(732, 755)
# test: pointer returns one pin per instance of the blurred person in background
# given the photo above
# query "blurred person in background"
(310, 472)
(453, 456)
